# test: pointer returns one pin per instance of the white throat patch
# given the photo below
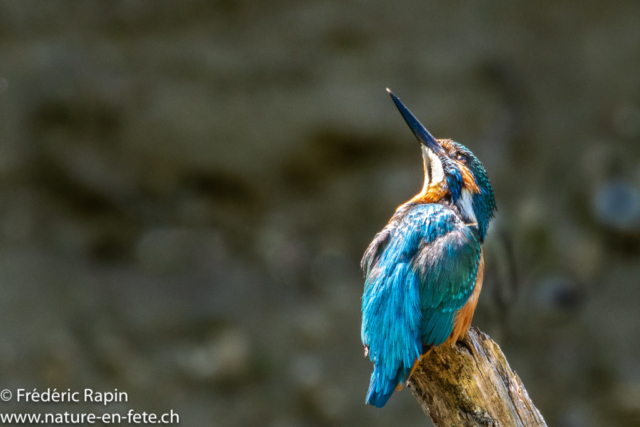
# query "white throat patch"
(434, 172)
(465, 203)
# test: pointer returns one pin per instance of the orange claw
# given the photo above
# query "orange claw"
(415, 365)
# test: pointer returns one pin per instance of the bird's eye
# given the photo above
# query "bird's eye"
(461, 157)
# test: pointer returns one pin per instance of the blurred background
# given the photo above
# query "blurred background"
(186, 189)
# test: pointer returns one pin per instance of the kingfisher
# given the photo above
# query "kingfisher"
(424, 270)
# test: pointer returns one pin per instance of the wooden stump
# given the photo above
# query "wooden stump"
(471, 384)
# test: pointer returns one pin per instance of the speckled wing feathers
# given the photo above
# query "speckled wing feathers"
(420, 270)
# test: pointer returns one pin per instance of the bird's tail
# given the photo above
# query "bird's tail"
(381, 388)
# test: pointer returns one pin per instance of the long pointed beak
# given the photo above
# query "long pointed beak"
(417, 128)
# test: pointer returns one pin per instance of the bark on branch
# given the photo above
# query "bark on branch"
(471, 384)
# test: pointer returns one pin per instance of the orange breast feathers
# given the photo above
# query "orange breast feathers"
(465, 315)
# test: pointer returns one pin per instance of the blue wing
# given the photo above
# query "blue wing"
(420, 270)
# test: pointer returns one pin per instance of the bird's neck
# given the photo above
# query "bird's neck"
(436, 194)
(430, 193)
(465, 206)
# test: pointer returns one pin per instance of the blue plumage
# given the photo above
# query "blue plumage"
(422, 269)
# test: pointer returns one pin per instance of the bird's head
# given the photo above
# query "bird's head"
(453, 175)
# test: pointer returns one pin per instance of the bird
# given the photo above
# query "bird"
(424, 270)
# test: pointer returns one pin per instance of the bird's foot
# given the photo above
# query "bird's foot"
(415, 366)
